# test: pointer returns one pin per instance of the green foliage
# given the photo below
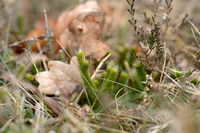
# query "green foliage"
(132, 56)
(140, 70)
(83, 67)
(123, 56)
(111, 74)
(29, 77)
(33, 68)
(29, 45)
(155, 76)
(49, 37)
(20, 24)
(195, 81)
(62, 55)
(5, 44)
(96, 82)
(159, 46)
(139, 97)
(21, 67)
(103, 75)
(127, 53)
(123, 78)
(176, 74)
(152, 40)
(139, 75)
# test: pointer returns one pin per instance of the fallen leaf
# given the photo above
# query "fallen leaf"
(73, 32)
(58, 27)
(85, 34)
(39, 43)
(61, 79)
(36, 35)
(68, 16)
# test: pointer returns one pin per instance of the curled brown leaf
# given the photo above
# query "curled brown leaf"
(68, 16)
(73, 32)
(85, 34)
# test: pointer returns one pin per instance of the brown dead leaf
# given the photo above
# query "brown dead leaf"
(58, 26)
(73, 32)
(114, 19)
(61, 79)
(36, 33)
(108, 10)
(85, 33)
(68, 16)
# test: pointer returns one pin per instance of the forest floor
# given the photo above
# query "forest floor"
(100, 66)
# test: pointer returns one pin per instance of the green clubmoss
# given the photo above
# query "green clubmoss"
(89, 84)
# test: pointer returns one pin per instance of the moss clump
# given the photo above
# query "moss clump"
(89, 84)
(111, 74)
(122, 80)
(176, 74)
(195, 81)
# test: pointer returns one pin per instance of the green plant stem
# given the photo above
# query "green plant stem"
(83, 66)
(111, 74)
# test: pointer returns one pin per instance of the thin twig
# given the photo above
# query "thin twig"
(99, 66)
(192, 24)
(163, 69)
(195, 37)
(20, 43)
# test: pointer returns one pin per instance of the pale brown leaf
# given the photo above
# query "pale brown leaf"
(84, 34)
(61, 79)
(68, 16)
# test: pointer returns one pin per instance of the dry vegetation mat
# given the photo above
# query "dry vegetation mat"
(100, 66)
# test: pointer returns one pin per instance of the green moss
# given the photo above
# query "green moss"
(29, 77)
(103, 75)
(96, 82)
(132, 56)
(176, 74)
(139, 75)
(20, 24)
(123, 56)
(155, 76)
(122, 80)
(21, 67)
(33, 70)
(89, 84)
(140, 70)
(111, 74)
(195, 81)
